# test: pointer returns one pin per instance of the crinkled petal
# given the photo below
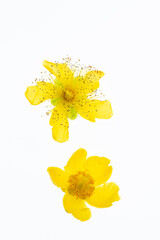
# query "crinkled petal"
(61, 71)
(58, 177)
(99, 169)
(92, 109)
(76, 161)
(103, 196)
(76, 207)
(60, 123)
(88, 83)
(41, 92)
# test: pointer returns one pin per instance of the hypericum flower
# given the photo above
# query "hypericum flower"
(84, 180)
(72, 92)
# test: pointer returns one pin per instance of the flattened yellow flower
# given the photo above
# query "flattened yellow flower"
(72, 92)
(84, 181)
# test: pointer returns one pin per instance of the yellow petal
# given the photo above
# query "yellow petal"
(51, 67)
(76, 207)
(60, 124)
(58, 177)
(88, 83)
(41, 92)
(76, 161)
(104, 195)
(92, 109)
(61, 71)
(98, 168)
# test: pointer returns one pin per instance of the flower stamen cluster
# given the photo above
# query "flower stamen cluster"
(81, 185)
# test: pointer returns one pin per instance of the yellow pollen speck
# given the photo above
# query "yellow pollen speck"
(68, 95)
(81, 185)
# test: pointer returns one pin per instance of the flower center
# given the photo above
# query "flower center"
(81, 185)
(68, 95)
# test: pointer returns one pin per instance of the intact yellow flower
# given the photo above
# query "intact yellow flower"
(72, 92)
(84, 181)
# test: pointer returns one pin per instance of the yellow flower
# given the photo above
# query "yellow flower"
(70, 93)
(84, 180)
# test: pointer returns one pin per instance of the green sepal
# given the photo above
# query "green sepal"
(55, 101)
(72, 113)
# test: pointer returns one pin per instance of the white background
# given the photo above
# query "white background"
(121, 38)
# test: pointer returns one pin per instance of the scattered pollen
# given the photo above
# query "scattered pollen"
(71, 89)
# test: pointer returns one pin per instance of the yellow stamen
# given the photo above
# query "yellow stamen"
(81, 185)
(68, 95)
